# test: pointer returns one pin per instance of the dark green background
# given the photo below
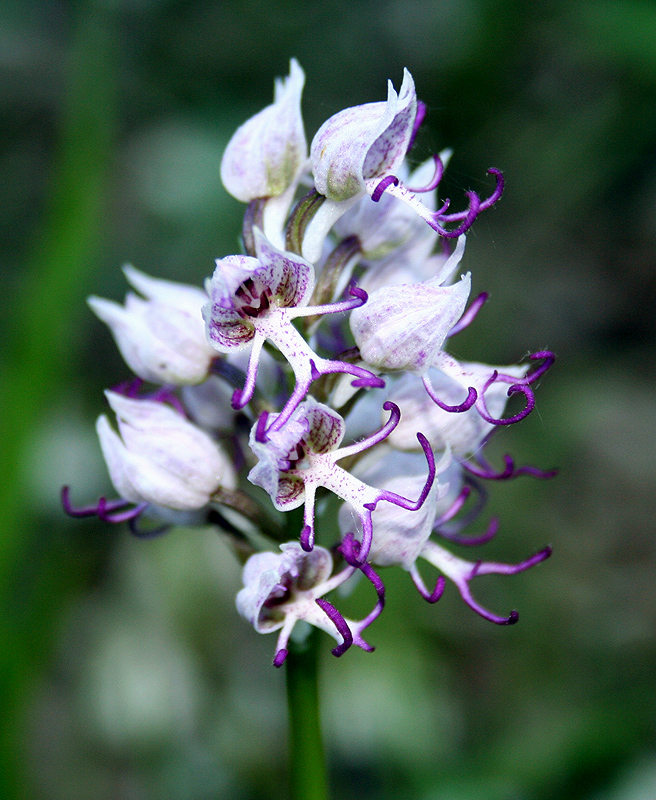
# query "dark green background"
(125, 670)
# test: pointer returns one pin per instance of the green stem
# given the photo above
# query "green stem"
(307, 761)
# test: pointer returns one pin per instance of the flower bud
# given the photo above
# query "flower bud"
(267, 153)
(161, 458)
(363, 142)
(404, 327)
(162, 338)
(463, 433)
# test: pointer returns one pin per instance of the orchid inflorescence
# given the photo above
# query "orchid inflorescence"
(330, 327)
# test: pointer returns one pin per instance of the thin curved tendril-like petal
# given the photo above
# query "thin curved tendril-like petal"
(455, 507)
(147, 534)
(419, 118)
(471, 541)
(469, 316)
(375, 438)
(483, 204)
(390, 180)
(495, 568)
(435, 180)
(514, 389)
(430, 597)
(119, 516)
(470, 400)
(403, 502)
(241, 397)
(549, 359)
(360, 297)
(340, 623)
(91, 510)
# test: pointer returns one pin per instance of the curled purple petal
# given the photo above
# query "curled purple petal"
(403, 502)
(384, 184)
(88, 511)
(430, 597)
(419, 118)
(516, 388)
(107, 515)
(471, 541)
(548, 360)
(357, 292)
(280, 657)
(435, 180)
(105, 510)
(472, 396)
(455, 507)
(470, 315)
(261, 430)
(340, 623)
(495, 568)
(468, 218)
(498, 189)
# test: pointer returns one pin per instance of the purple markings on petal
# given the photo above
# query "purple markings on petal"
(307, 538)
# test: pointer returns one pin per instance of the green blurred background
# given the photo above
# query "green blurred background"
(125, 670)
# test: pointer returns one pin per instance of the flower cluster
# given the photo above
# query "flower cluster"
(330, 327)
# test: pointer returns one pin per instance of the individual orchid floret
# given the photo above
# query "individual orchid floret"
(267, 153)
(366, 142)
(359, 151)
(298, 458)
(363, 143)
(461, 572)
(255, 299)
(463, 433)
(404, 327)
(389, 226)
(282, 588)
(162, 337)
(159, 457)
(399, 535)
(401, 538)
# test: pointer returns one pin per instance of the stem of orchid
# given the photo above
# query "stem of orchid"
(307, 761)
